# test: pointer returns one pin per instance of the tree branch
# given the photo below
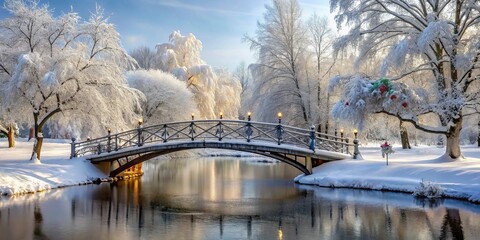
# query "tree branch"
(414, 123)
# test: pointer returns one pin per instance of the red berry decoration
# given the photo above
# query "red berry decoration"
(405, 104)
(393, 97)
(383, 88)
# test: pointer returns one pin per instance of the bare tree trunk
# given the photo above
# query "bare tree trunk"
(453, 138)
(37, 146)
(11, 136)
(404, 136)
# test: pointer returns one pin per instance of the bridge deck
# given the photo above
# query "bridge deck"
(226, 144)
(282, 142)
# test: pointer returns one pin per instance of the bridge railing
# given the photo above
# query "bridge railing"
(219, 130)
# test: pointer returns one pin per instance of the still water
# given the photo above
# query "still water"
(229, 198)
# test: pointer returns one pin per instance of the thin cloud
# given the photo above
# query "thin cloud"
(199, 8)
(135, 39)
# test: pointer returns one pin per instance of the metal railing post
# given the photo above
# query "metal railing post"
(341, 140)
(72, 149)
(279, 132)
(219, 131)
(249, 131)
(335, 133)
(109, 142)
(192, 130)
(356, 152)
(165, 133)
(139, 133)
(346, 146)
(311, 145)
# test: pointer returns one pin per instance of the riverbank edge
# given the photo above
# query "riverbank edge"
(98, 180)
(445, 195)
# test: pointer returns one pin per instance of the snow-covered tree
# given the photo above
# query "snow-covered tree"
(181, 57)
(167, 98)
(321, 41)
(212, 91)
(8, 127)
(227, 94)
(64, 70)
(145, 57)
(243, 75)
(439, 38)
(278, 75)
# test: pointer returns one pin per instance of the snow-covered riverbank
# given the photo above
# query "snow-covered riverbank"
(18, 175)
(406, 169)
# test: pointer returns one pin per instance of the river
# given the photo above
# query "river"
(229, 198)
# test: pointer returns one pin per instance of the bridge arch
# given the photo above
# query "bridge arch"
(150, 155)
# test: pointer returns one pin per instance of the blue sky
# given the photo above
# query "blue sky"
(219, 24)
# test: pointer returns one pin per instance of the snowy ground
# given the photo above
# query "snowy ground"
(19, 175)
(406, 169)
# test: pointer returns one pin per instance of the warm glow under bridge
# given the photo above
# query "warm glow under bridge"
(300, 148)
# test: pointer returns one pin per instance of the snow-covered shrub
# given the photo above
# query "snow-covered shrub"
(428, 189)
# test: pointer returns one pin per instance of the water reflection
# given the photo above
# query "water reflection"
(229, 199)
(452, 223)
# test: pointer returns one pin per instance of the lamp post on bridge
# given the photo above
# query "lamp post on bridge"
(219, 132)
(279, 128)
(72, 148)
(192, 131)
(356, 152)
(335, 133)
(109, 142)
(343, 147)
(248, 129)
(312, 143)
(478, 137)
(139, 133)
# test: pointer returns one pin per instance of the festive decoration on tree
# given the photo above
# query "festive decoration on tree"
(382, 85)
(362, 96)
(383, 88)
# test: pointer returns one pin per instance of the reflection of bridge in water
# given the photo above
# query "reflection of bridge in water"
(300, 148)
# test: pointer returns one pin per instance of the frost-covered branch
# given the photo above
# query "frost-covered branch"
(414, 121)
(3, 129)
(4, 69)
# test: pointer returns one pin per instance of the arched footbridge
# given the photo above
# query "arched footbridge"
(300, 148)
